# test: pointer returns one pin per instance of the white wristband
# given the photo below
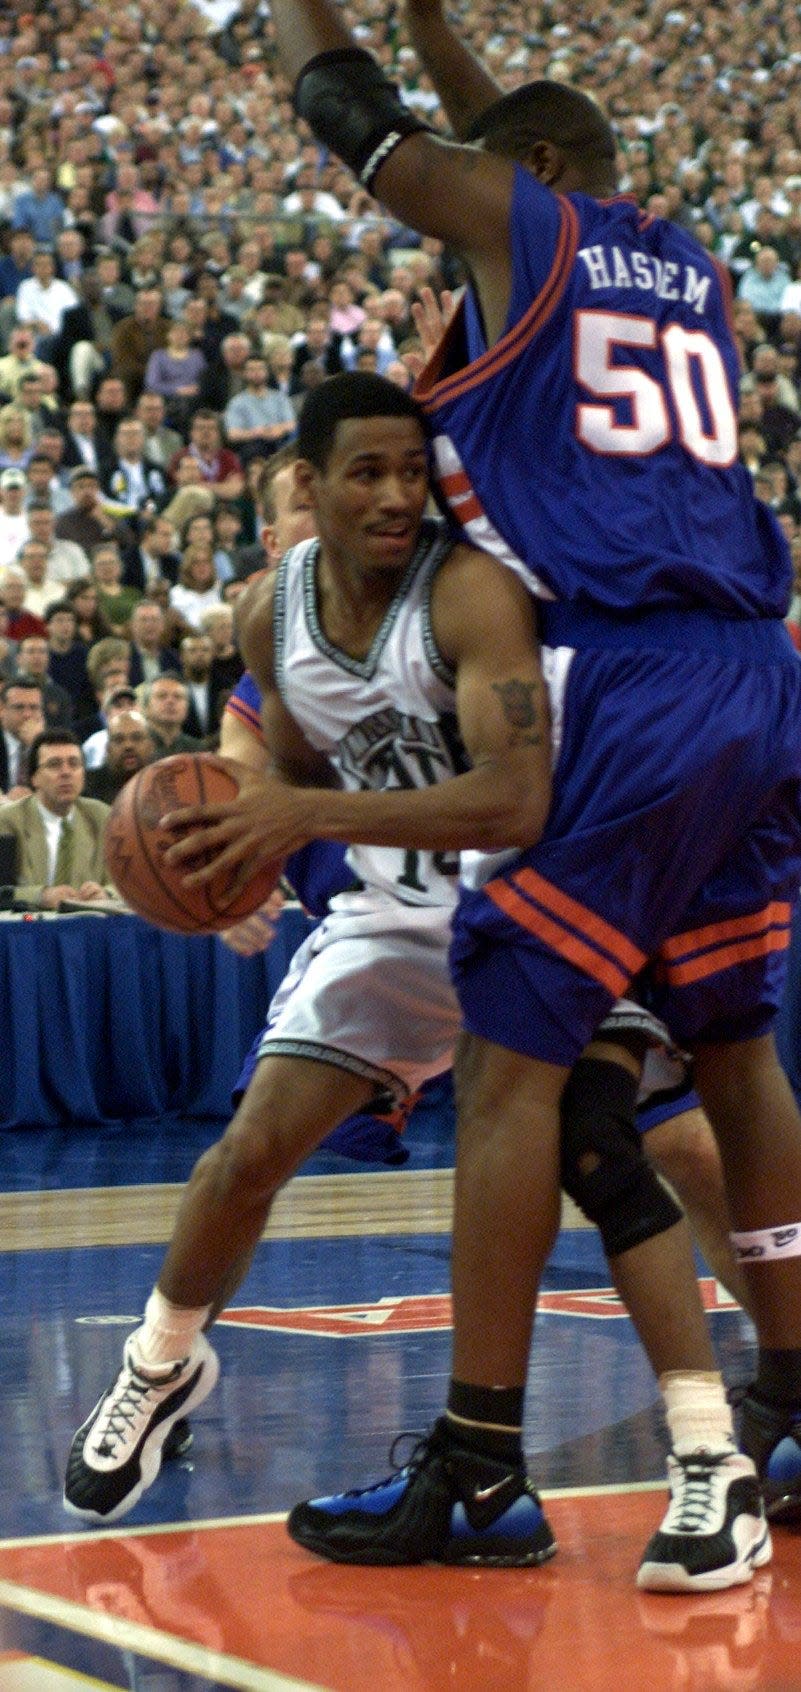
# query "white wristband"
(765, 1243)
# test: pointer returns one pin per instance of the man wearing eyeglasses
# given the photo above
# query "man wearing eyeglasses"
(59, 834)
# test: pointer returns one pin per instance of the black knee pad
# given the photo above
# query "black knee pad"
(604, 1168)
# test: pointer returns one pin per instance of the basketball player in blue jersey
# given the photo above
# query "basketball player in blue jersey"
(584, 411)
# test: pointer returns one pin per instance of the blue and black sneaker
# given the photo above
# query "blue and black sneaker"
(447, 1505)
(771, 1435)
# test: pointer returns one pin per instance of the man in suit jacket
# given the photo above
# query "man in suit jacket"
(21, 720)
(59, 835)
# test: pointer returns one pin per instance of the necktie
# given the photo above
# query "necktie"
(63, 871)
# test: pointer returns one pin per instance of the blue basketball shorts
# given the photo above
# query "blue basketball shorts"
(674, 838)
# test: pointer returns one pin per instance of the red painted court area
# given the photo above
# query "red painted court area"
(240, 1605)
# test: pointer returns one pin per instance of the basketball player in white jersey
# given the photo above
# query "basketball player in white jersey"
(372, 630)
(383, 652)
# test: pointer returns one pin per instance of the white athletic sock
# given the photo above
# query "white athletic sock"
(698, 1414)
(168, 1332)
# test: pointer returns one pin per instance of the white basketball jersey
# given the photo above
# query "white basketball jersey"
(387, 720)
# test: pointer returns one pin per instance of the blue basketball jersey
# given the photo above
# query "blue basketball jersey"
(597, 440)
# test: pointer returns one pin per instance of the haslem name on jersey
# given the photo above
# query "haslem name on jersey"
(610, 267)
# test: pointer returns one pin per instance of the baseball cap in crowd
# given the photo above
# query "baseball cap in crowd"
(13, 479)
(82, 473)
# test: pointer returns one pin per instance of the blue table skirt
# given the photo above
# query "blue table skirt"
(107, 1019)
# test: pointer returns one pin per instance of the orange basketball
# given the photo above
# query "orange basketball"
(135, 847)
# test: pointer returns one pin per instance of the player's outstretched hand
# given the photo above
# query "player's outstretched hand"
(254, 935)
(432, 316)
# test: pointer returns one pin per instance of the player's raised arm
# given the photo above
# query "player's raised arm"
(456, 193)
(463, 84)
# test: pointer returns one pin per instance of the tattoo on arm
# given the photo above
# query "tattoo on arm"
(519, 706)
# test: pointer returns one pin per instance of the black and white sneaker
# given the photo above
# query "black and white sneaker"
(118, 1452)
(447, 1505)
(714, 1534)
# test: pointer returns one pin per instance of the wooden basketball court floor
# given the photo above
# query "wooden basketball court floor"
(337, 1341)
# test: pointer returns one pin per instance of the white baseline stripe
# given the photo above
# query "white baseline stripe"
(212, 1522)
(150, 1642)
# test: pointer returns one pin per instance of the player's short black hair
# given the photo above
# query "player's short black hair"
(353, 393)
(545, 111)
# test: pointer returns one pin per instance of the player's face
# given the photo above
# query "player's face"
(295, 519)
(371, 497)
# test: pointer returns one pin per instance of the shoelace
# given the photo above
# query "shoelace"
(694, 1509)
(122, 1413)
(421, 1449)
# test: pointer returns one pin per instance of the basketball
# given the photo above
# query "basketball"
(135, 847)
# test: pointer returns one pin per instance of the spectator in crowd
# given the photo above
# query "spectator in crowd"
(84, 443)
(220, 468)
(8, 648)
(165, 702)
(32, 660)
(81, 351)
(14, 527)
(40, 210)
(21, 719)
(44, 487)
(43, 299)
(136, 487)
(217, 625)
(66, 561)
(260, 418)
(116, 294)
(33, 400)
(108, 665)
(227, 536)
(111, 405)
(16, 266)
(19, 361)
(215, 323)
(19, 621)
(149, 655)
(197, 586)
(225, 375)
(197, 653)
(115, 700)
(67, 654)
(42, 589)
(134, 338)
(161, 442)
(87, 522)
(192, 494)
(176, 371)
(59, 834)
(83, 596)
(70, 249)
(154, 556)
(763, 285)
(130, 745)
(15, 438)
(115, 600)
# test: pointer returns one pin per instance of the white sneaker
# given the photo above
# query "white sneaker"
(715, 1532)
(117, 1453)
